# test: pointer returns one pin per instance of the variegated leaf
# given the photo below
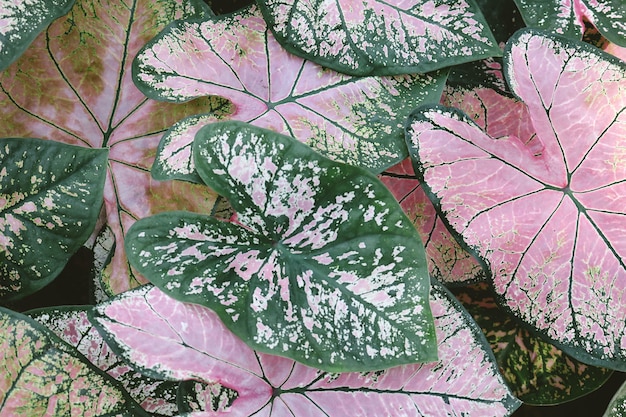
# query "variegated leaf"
(617, 406)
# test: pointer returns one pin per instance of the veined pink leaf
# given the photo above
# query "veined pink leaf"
(42, 375)
(321, 266)
(181, 341)
(74, 85)
(546, 215)
(379, 37)
(354, 120)
(567, 17)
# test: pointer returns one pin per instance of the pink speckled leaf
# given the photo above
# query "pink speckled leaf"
(321, 266)
(545, 216)
(74, 85)
(50, 198)
(568, 17)
(357, 120)
(182, 341)
(379, 37)
(44, 376)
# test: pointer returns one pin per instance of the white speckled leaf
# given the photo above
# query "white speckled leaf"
(182, 341)
(381, 37)
(617, 406)
(50, 198)
(358, 120)
(323, 266)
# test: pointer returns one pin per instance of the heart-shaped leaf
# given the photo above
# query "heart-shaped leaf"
(22, 20)
(42, 375)
(181, 341)
(323, 265)
(382, 38)
(354, 120)
(545, 216)
(74, 85)
(50, 198)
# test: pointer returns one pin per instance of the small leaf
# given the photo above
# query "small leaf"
(42, 375)
(322, 266)
(617, 406)
(182, 341)
(380, 38)
(50, 199)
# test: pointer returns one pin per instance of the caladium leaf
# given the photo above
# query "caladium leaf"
(382, 38)
(42, 375)
(22, 20)
(544, 216)
(323, 266)
(538, 372)
(50, 198)
(617, 406)
(354, 120)
(181, 341)
(73, 327)
(567, 17)
(74, 85)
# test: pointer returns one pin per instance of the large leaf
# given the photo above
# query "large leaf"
(74, 85)
(567, 17)
(42, 375)
(546, 217)
(180, 341)
(22, 20)
(50, 198)
(355, 120)
(379, 37)
(323, 265)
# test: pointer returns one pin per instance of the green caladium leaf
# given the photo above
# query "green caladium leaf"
(22, 20)
(42, 375)
(538, 372)
(322, 265)
(357, 120)
(50, 198)
(381, 38)
(617, 406)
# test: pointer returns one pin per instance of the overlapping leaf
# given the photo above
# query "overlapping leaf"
(379, 37)
(323, 265)
(74, 85)
(617, 406)
(42, 375)
(50, 198)
(545, 216)
(355, 120)
(180, 341)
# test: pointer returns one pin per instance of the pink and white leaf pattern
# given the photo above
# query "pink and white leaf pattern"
(321, 266)
(357, 120)
(381, 37)
(182, 341)
(545, 215)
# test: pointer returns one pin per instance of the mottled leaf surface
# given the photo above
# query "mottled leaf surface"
(42, 375)
(73, 327)
(545, 216)
(380, 37)
(22, 20)
(355, 120)
(180, 340)
(537, 372)
(322, 265)
(50, 198)
(74, 85)
(567, 17)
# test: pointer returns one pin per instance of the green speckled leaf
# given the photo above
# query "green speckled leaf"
(617, 406)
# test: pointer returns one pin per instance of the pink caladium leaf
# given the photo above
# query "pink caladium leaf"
(50, 199)
(42, 375)
(545, 216)
(568, 17)
(321, 266)
(74, 85)
(22, 20)
(357, 120)
(379, 37)
(183, 341)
